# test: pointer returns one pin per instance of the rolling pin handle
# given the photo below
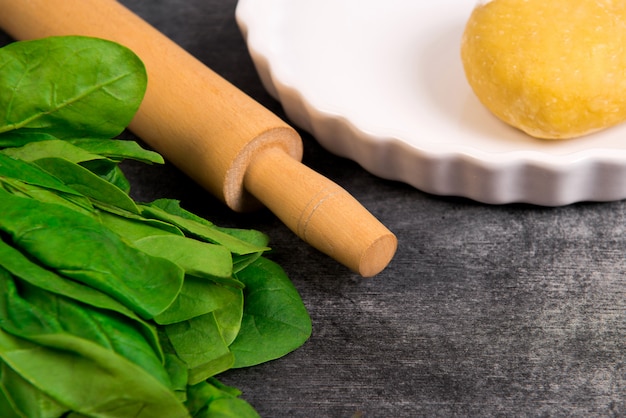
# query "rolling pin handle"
(320, 212)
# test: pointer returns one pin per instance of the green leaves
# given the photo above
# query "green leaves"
(212, 399)
(87, 378)
(69, 87)
(109, 307)
(81, 249)
(275, 320)
(100, 157)
(195, 257)
(32, 313)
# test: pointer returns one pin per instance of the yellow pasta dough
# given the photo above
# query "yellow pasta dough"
(552, 68)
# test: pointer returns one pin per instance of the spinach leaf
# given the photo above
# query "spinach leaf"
(12, 168)
(173, 207)
(102, 86)
(275, 321)
(100, 156)
(18, 188)
(52, 148)
(178, 372)
(25, 179)
(23, 397)
(201, 230)
(199, 259)
(33, 312)
(229, 316)
(22, 268)
(102, 166)
(109, 374)
(251, 236)
(200, 296)
(87, 183)
(186, 337)
(131, 226)
(91, 254)
(240, 262)
(118, 150)
(211, 398)
(110, 171)
(21, 138)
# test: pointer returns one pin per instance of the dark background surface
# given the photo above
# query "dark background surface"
(509, 310)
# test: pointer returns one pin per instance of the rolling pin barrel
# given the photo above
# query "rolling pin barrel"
(216, 134)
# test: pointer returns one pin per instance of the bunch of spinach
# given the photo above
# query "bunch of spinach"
(109, 307)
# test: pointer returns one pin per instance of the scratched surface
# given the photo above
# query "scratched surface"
(485, 311)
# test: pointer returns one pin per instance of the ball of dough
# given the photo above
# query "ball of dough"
(552, 68)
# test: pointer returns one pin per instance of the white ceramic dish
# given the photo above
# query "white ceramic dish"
(382, 83)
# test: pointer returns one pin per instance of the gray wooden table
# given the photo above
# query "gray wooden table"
(510, 310)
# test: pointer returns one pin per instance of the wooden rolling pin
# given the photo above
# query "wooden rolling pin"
(217, 135)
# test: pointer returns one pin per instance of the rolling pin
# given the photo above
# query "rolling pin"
(217, 135)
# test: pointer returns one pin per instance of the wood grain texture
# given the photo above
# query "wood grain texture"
(320, 212)
(485, 310)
